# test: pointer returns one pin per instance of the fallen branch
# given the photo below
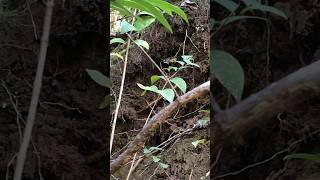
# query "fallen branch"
(278, 97)
(154, 122)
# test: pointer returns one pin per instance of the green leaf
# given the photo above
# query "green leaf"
(231, 19)
(146, 151)
(169, 8)
(181, 63)
(117, 55)
(228, 71)
(271, 10)
(197, 142)
(142, 43)
(212, 23)
(251, 3)
(228, 4)
(119, 7)
(126, 27)
(188, 59)
(305, 156)
(203, 122)
(154, 79)
(205, 111)
(146, 6)
(182, 85)
(106, 102)
(149, 88)
(155, 158)
(143, 22)
(167, 94)
(171, 68)
(117, 40)
(99, 78)
(163, 165)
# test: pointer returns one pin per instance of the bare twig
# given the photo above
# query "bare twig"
(9, 164)
(62, 105)
(184, 42)
(35, 93)
(33, 23)
(131, 167)
(14, 105)
(114, 123)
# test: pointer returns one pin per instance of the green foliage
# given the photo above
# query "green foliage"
(163, 165)
(117, 55)
(99, 78)
(155, 159)
(187, 62)
(106, 102)
(142, 43)
(167, 94)
(205, 111)
(180, 83)
(126, 27)
(203, 122)
(228, 71)
(117, 40)
(236, 18)
(143, 22)
(153, 7)
(198, 142)
(305, 156)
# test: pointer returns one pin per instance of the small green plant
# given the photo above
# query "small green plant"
(201, 123)
(155, 159)
(200, 141)
(149, 11)
(168, 93)
(224, 66)
(104, 81)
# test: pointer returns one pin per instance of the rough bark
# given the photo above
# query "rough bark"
(257, 109)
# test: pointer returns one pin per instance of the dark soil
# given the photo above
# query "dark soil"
(69, 136)
(293, 44)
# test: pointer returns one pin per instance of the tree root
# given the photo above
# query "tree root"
(254, 111)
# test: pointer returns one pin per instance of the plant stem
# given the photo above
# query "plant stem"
(35, 93)
(154, 63)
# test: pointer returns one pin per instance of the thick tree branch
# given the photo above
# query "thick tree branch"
(278, 97)
(156, 120)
